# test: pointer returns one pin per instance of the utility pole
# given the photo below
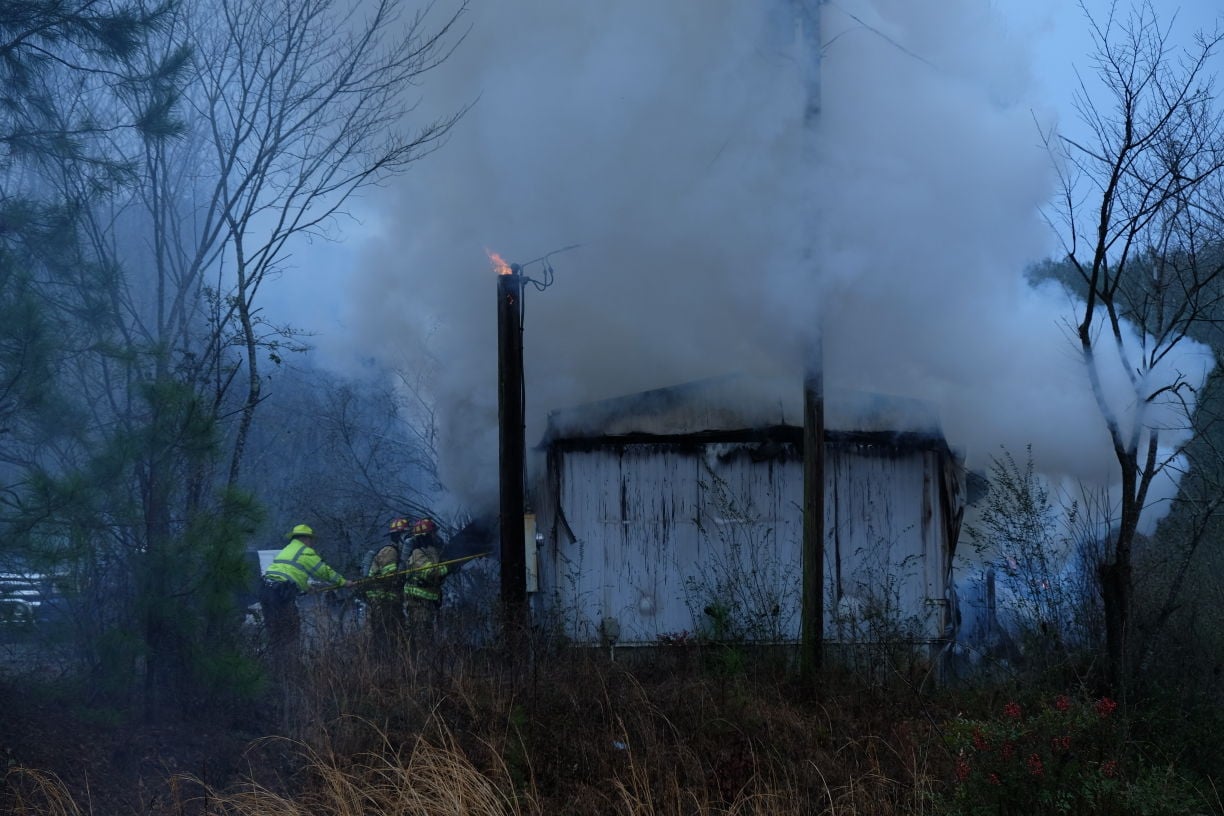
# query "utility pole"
(811, 652)
(811, 645)
(511, 447)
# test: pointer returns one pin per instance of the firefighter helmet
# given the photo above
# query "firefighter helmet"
(399, 526)
(423, 527)
(301, 530)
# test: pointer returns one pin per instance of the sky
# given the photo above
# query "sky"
(668, 141)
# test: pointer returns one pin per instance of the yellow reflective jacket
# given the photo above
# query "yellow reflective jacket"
(425, 579)
(385, 565)
(298, 563)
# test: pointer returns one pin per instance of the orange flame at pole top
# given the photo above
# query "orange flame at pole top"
(499, 265)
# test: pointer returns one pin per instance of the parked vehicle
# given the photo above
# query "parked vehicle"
(21, 597)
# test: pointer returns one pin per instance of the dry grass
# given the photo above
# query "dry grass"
(573, 732)
(434, 778)
(436, 728)
(38, 793)
(444, 730)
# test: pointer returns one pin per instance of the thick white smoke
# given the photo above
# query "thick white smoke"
(932, 177)
(669, 140)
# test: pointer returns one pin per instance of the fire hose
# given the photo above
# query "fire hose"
(360, 582)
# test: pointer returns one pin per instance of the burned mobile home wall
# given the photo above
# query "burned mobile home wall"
(680, 511)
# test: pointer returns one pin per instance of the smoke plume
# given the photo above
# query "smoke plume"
(718, 225)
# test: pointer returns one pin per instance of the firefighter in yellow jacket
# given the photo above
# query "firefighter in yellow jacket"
(384, 597)
(423, 581)
(290, 575)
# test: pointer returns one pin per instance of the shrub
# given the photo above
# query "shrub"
(1064, 755)
(1043, 552)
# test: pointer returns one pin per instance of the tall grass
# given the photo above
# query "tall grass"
(440, 728)
(433, 778)
(38, 793)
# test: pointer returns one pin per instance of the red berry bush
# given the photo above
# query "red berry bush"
(1056, 757)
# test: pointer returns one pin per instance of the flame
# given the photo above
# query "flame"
(499, 265)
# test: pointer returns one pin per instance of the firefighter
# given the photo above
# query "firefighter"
(384, 597)
(286, 578)
(423, 584)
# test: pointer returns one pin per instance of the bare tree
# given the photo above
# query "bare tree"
(1141, 244)
(345, 452)
(286, 109)
(304, 102)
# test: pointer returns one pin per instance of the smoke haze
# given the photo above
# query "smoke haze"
(716, 229)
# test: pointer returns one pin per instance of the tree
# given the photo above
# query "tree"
(1140, 248)
(292, 108)
(344, 453)
(57, 57)
(55, 51)
(303, 104)
(1182, 573)
(217, 158)
(1037, 548)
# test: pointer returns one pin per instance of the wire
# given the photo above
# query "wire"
(549, 273)
(540, 284)
(878, 33)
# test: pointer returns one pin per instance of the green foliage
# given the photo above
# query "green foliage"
(1061, 755)
(26, 346)
(176, 424)
(229, 676)
(214, 546)
(727, 660)
(115, 361)
(517, 762)
(155, 599)
(58, 57)
(117, 653)
(190, 604)
(1181, 729)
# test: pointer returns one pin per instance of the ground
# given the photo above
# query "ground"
(117, 767)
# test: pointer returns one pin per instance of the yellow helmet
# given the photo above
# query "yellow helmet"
(300, 530)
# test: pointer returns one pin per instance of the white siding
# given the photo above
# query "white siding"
(886, 544)
(650, 534)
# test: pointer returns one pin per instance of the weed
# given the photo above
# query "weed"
(744, 591)
(1064, 754)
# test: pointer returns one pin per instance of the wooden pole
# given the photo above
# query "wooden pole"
(511, 447)
(811, 645)
(811, 649)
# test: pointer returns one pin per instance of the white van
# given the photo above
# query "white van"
(21, 596)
